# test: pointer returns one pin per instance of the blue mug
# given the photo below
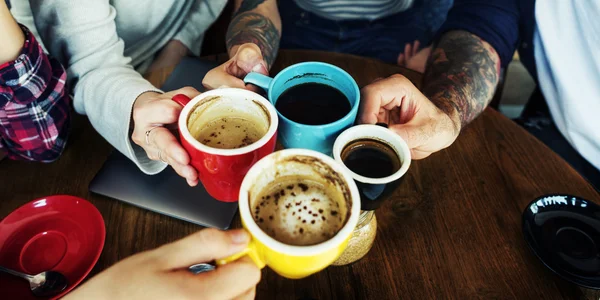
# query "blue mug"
(315, 137)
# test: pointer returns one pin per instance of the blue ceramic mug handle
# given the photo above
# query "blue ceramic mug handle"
(259, 80)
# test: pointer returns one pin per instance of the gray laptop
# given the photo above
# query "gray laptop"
(165, 193)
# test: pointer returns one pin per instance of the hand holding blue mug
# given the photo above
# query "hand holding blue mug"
(310, 99)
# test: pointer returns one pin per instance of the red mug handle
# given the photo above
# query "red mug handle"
(181, 99)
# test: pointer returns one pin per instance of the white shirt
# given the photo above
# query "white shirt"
(567, 54)
(105, 44)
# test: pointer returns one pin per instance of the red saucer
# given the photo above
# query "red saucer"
(59, 233)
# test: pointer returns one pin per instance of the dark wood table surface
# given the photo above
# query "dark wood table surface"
(453, 229)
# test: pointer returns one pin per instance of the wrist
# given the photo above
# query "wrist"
(449, 110)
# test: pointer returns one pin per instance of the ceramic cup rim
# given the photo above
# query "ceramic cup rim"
(292, 250)
(353, 109)
(373, 132)
(228, 92)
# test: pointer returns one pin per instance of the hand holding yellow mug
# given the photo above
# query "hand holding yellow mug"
(300, 207)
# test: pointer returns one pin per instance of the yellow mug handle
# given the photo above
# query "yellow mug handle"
(250, 250)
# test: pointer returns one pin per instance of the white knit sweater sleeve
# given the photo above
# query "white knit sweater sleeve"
(83, 36)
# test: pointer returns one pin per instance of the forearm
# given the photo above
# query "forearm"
(461, 76)
(258, 22)
(11, 35)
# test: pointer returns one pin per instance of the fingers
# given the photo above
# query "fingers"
(163, 111)
(386, 93)
(248, 295)
(401, 59)
(220, 76)
(249, 59)
(415, 47)
(188, 91)
(164, 140)
(172, 153)
(203, 246)
(407, 51)
(231, 280)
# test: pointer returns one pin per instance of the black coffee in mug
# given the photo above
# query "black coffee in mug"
(313, 104)
(373, 159)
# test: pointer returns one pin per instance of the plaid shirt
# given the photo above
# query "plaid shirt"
(34, 105)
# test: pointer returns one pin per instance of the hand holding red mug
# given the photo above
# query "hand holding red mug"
(151, 113)
(222, 155)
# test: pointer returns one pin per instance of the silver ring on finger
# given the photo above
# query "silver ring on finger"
(160, 157)
(148, 134)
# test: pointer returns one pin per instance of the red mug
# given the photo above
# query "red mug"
(221, 171)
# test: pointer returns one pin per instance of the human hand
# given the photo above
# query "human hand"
(151, 112)
(397, 102)
(247, 58)
(414, 58)
(162, 273)
(170, 55)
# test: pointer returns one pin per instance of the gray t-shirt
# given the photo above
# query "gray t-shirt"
(354, 9)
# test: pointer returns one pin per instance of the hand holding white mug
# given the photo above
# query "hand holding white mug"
(151, 113)
(247, 58)
(162, 273)
(397, 102)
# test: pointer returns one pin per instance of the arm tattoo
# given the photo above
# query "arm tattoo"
(252, 27)
(462, 73)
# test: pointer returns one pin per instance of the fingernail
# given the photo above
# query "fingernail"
(257, 67)
(240, 237)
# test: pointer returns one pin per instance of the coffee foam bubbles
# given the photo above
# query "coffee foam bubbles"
(228, 123)
(298, 211)
(321, 183)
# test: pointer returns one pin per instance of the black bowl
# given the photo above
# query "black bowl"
(564, 233)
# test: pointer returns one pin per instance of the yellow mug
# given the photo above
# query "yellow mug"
(293, 261)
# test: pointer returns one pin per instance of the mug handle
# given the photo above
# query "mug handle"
(250, 251)
(181, 99)
(259, 80)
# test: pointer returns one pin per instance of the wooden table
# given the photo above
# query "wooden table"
(453, 229)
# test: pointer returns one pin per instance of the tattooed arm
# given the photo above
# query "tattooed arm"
(256, 22)
(252, 42)
(461, 76)
(459, 82)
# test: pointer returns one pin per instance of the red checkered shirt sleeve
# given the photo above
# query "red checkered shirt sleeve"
(34, 105)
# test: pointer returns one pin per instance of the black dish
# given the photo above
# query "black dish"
(563, 231)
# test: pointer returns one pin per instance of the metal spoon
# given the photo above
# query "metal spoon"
(45, 284)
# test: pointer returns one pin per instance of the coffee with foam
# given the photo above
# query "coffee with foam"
(300, 202)
(226, 123)
(298, 211)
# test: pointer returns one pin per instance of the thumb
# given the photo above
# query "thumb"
(250, 59)
(216, 78)
(203, 246)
